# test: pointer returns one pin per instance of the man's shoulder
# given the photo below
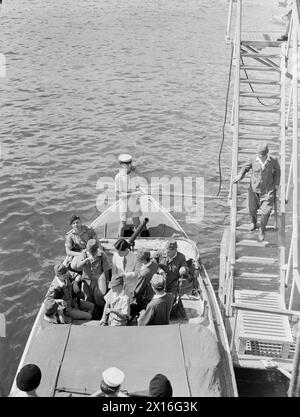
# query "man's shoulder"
(180, 256)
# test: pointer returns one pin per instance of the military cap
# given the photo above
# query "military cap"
(60, 269)
(29, 377)
(121, 245)
(158, 282)
(125, 158)
(113, 377)
(160, 386)
(73, 218)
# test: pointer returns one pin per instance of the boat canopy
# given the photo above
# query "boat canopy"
(73, 357)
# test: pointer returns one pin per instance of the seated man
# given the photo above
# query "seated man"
(158, 310)
(77, 238)
(175, 266)
(61, 291)
(116, 309)
(143, 293)
(95, 267)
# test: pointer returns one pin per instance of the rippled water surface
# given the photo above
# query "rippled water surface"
(85, 81)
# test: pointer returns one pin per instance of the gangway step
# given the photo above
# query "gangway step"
(243, 151)
(259, 55)
(259, 95)
(264, 123)
(255, 136)
(257, 260)
(261, 43)
(260, 68)
(257, 276)
(263, 109)
(252, 243)
(259, 333)
(244, 210)
(257, 81)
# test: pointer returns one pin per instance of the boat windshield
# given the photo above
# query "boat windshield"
(161, 222)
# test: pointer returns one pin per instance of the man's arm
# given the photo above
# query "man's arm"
(277, 172)
(246, 168)
(69, 245)
(147, 317)
(114, 266)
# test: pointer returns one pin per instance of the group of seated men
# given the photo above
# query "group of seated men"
(134, 286)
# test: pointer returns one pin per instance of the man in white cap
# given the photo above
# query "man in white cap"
(112, 378)
(264, 182)
(127, 188)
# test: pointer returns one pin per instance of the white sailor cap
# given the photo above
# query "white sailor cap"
(125, 158)
(113, 377)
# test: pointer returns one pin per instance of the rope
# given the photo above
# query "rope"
(225, 120)
(253, 91)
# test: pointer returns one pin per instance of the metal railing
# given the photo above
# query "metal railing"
(234, 164)
(293, 258)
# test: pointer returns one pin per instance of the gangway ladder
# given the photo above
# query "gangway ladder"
(254, 268)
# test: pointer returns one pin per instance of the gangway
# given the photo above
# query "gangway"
(259, 283)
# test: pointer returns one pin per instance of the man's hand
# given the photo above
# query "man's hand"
(102, 322)
(276, 187)
(236, 179)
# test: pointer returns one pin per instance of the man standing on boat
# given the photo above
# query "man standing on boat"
(127, 189)
(264, 182)
(124, 261)
(143, 293)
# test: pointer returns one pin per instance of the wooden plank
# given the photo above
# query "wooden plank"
(257, 259)
(259, 95)
(281, 312)
(259, 55)
(257, 275)
(252, 243)
(259, 68)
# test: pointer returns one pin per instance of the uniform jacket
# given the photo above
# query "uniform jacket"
(264, 178)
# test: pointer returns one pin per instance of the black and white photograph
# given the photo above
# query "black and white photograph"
(149, 203)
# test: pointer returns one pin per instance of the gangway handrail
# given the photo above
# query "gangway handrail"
(254, 308)
(234, 166)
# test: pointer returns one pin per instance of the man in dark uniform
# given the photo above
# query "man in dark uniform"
(175, 266)
(158, 310)
(143, 293)
(264, 182)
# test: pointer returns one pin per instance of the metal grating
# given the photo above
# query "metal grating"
(262, 334)
(273, 350)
